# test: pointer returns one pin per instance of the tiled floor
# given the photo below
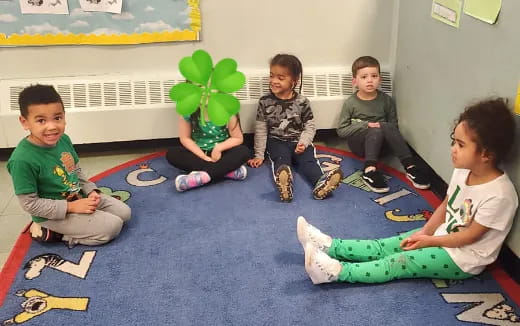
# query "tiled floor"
(13, 219)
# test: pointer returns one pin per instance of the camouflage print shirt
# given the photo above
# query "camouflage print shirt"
(288, 120)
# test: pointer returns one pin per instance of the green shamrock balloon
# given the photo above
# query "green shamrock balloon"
(208, 88)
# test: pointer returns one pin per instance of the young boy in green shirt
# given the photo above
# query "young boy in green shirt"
(48, 181)
(368, 121)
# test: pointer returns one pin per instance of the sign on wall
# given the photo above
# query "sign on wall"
(94, 22)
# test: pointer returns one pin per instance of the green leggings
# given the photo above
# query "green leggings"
(383, 260)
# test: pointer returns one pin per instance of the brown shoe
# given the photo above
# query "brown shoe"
(283, 180)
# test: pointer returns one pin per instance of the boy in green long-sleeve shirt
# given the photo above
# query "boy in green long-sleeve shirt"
(368, 121)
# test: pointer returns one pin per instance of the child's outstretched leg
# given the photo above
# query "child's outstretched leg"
(327, 183)
(284, 182)
(195, 179)
(280, 153)
(377, 261)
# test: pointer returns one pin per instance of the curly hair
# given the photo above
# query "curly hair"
(493, 126)
(37, 94)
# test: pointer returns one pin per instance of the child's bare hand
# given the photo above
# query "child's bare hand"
(417, 241)
(255, 162)
(207, 158)
(300, 148)
(82, 206)
(374, 125)
(96, 196)
(216, 154)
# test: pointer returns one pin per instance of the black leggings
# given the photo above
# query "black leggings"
(372, 142)
(231, 159)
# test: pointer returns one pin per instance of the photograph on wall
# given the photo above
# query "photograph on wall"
(55, 7)
(447, 11)
(138, 22)
(113, 6)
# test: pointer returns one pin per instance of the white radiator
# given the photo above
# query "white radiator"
(108, 108)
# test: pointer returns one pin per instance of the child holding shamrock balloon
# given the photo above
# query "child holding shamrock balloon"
(209, 126)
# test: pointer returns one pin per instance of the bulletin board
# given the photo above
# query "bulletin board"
(140, 21)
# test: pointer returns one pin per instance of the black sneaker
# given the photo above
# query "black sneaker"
(417, 177)
(283, 179)
(375, 181)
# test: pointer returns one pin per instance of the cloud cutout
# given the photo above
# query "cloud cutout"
(43, 29)
(105, 31)
(79, 23)
(7, 18)
(78, 12)
(153, 27)
(123, 16)
(149, 8)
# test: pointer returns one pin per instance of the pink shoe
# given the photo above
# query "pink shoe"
(238, 174)
(195, 179)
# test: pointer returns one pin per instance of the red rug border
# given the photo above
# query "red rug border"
(23, 243)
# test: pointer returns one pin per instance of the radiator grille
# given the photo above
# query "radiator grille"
(144, 93)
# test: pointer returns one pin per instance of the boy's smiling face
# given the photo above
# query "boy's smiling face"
(45, 122)
(367, 80)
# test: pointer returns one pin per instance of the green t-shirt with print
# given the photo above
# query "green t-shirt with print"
(206, 136)
(48, 171)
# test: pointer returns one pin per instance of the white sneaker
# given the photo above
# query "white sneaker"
(310, 234)
(320, 267)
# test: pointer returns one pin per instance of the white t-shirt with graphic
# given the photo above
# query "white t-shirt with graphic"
(492, 204)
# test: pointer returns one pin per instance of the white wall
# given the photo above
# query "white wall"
(440, 69)
(319, 32)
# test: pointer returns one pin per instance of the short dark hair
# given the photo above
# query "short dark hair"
(363, 62)
(493, 126)
(292, 63)
(37, 94)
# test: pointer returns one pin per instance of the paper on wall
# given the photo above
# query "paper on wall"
(112, 6)
(485, 10)
(57, 7)
(447, 11)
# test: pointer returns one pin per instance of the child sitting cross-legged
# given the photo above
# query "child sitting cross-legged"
(49, 182)
(208, 151)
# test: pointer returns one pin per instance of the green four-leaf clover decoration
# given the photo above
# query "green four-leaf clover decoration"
(208, 88)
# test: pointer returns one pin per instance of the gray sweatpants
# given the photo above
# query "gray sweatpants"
(93, 229)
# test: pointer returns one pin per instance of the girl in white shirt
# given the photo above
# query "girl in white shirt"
(464, 234)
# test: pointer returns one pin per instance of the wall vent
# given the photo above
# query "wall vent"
(142, 102)
(123, 91)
